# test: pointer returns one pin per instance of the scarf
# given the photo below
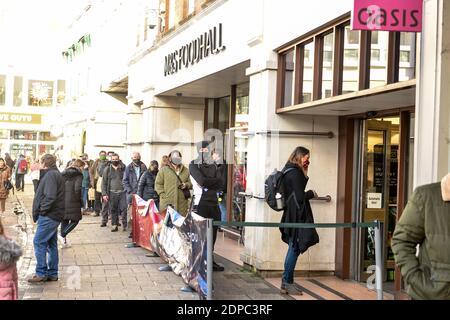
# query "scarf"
(446, 188)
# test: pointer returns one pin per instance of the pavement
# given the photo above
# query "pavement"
(99, 266)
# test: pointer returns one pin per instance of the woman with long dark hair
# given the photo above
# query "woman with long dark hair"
(298, 210)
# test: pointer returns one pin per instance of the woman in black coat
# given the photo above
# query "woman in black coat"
(146, 187)
(73, 178)
(298, 210)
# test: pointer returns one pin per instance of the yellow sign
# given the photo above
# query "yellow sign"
(20, 118)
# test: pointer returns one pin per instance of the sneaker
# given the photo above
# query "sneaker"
(217, 267)
(103, 225)
(187, 289)
(124, 229)
(165, 268)
(95, 214)
(291, 288)
(37, 279)
(115, 229)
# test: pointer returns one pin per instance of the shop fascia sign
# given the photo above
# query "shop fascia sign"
(20, 118)
(208, 43)
(387, 15)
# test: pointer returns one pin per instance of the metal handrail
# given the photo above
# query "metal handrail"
(377, 225)
(326, 198)
(329, 134)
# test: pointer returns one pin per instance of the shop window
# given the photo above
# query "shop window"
(172, 13)
(351, 36)
(23, 135)
(224, 114)
(374, 38)
(242, 105)
(211, 108)
(18, 87)
(327, 65)
(46, 136)
(4, 134)
(40, 93)
(289, 69)
(308, 72)
(2, 89)
(378, 59)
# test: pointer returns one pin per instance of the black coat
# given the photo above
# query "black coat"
(49, 198)
(208, 178)
(73, 179)
(146, 187)
(298, 210)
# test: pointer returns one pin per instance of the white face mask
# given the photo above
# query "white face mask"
(177, 161)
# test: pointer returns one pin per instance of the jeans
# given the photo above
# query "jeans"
(85, 197)
(223, 208)
(35, 184)
(46, 247)
(118, 207)
(67, 226)
(289, 263)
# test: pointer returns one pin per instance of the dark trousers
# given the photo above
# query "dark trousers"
(20, 181)
(209, 212)
(105, 213)
(35, 184)
(98, 202)
(67, 226)
(118, 207)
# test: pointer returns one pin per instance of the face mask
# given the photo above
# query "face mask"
(103, 158)
(115, 163)
(306, 164)
(177, 161)
(84, 159)
(136, 161)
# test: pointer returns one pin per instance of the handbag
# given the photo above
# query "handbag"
(186, 192)
(8, 185)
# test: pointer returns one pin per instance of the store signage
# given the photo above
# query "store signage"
(208, 43)
(22, 147)
(374, 201)
(387, 15)
(20, 118)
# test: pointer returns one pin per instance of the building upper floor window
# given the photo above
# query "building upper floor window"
(2, 89)
(40, 93)
(337, 60)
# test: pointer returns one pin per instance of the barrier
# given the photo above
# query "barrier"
(142, 223)
(377, 225)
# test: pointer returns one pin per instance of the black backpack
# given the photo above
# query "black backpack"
(274, 189)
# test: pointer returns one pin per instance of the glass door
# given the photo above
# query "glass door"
(377, 188)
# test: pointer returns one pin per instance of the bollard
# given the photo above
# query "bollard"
(209, 257)
(379, 259)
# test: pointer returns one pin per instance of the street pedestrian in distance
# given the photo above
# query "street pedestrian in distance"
(86, 182)
(5, 175)
(73, 180)
(21, 171)
(298, 210)
(165, 161)
(48, 212)
(146, 188)
(96, 172)
(35, 173)
(425, 222)
(173, 184)
(10, 253)
(207, 181)
(9, 161)
(114, 193)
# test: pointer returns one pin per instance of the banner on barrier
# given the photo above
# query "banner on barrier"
(179, 241)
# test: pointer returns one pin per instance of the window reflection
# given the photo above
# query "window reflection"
(289, 66)
(2, 89)
(308, 72)
(351, 61)
(40, 93)
(407, 56)
(327, 68)
(378, 58)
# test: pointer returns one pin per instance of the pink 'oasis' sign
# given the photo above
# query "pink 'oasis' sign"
(387, 15)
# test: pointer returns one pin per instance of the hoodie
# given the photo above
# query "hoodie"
(10, 253)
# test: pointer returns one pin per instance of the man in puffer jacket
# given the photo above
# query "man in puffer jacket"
(425, 222)
(10, 253)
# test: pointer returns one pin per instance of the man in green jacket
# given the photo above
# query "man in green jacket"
(425, 222)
